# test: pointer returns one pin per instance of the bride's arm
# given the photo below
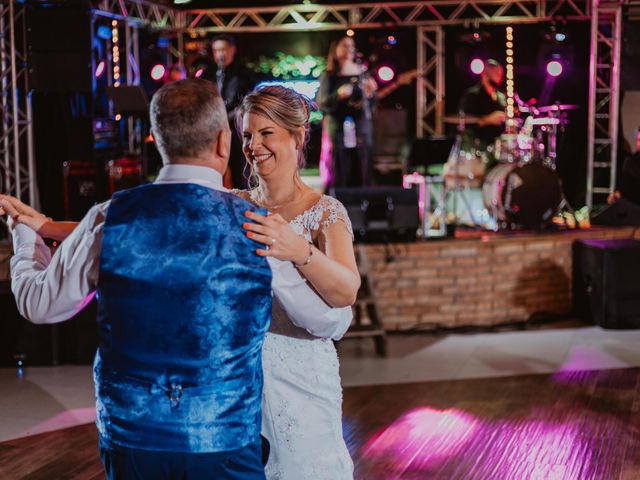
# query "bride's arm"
(333, 273)
(304, 307)
(21, 213)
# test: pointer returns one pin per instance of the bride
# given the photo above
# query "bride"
(302, 407)
(302, 396)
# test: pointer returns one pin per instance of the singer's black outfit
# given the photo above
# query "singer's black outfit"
(476, 102)
(629, 184)
(351, 167)
(237, 81)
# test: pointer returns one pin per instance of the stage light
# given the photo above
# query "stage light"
(391, 40)
(476, 36)
(199, 72)
(477, 66)
(157, 72)
(554, 68)
(386, 74)
(350, 33)
(560, 37)
(100, 69)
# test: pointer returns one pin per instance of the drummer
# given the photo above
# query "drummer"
(484, 105)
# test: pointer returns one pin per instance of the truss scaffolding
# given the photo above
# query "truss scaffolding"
(382, 14)
(604, 100)
(17, 165)
(430, 82)
(16, 145)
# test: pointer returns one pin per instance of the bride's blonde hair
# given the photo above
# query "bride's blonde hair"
(285, 107)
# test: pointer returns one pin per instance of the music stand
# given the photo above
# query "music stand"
(129, 100)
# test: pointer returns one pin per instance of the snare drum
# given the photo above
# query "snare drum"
(523, 194)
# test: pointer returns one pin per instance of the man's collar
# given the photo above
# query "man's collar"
(205, 176)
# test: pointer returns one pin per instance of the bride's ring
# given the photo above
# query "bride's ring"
(273, 241)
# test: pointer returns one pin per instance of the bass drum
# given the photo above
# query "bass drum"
(527, 195)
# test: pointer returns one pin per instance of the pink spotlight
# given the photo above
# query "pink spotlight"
(100, 69)
(199, 72)
(386, 74)
(477, 66)
(157, 72)
(554, 68)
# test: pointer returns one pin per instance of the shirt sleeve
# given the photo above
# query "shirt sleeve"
(52, 289)
(304, 307)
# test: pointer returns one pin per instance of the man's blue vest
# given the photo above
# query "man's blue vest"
(183, 307)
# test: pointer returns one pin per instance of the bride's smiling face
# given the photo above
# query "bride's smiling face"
(270, 148)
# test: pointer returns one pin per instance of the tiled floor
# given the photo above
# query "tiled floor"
(48, 398)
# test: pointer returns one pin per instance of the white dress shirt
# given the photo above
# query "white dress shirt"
(50, 289)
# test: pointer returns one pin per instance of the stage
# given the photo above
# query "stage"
(480, 281)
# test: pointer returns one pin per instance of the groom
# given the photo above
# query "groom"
(183, 300)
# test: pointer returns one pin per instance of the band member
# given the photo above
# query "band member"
(484, 105)
(629, 184)
(346, 96)
(234, 82)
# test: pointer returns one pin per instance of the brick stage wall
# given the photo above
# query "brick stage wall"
(485, 281)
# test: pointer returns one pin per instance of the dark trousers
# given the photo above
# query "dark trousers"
(122, 463)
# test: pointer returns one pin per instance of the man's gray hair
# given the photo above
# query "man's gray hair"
(186, 118)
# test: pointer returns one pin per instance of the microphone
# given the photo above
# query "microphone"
(220, 71)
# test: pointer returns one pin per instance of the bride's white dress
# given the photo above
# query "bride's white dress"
(302, 397)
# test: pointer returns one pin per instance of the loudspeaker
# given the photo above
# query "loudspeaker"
(620, 213)
(381, 214)
(606, 285)
(74, 341)
(23, 343)
(59, 42)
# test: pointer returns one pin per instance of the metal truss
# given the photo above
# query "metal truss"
(604, 100)
(383, 14)
(430, 82)
(17, 162)
(141, 11)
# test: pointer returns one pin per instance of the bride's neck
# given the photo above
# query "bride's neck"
(276, 192)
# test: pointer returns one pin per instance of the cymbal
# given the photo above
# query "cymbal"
(467, 119)
(556, 107)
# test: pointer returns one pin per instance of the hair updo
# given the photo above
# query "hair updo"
(285, 107)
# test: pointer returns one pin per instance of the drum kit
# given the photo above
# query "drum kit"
(521, 189)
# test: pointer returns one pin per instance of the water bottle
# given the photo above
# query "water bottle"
(349, 132)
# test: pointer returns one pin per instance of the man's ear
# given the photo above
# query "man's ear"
(223, 145)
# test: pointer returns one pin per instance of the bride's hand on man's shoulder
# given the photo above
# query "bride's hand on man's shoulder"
(21, 213)
(280, 240)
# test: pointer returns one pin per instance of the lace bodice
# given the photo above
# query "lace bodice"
(314, 220)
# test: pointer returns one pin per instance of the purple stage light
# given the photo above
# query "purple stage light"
(477, 66)
(554, 68)
(100, 69)
(386, 74)
(157, 72)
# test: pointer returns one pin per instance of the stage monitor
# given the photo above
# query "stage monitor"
(381, 214)
(129, 100)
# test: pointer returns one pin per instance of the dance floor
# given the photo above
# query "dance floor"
(568, 425)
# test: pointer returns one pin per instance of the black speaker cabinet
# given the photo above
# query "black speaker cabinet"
(23, 343)
(59, 41)
(381, 214)
(620, 213)
(606, 283)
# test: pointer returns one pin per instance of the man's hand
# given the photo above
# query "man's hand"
(494, 118)
(21, 213)
(613, 197)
